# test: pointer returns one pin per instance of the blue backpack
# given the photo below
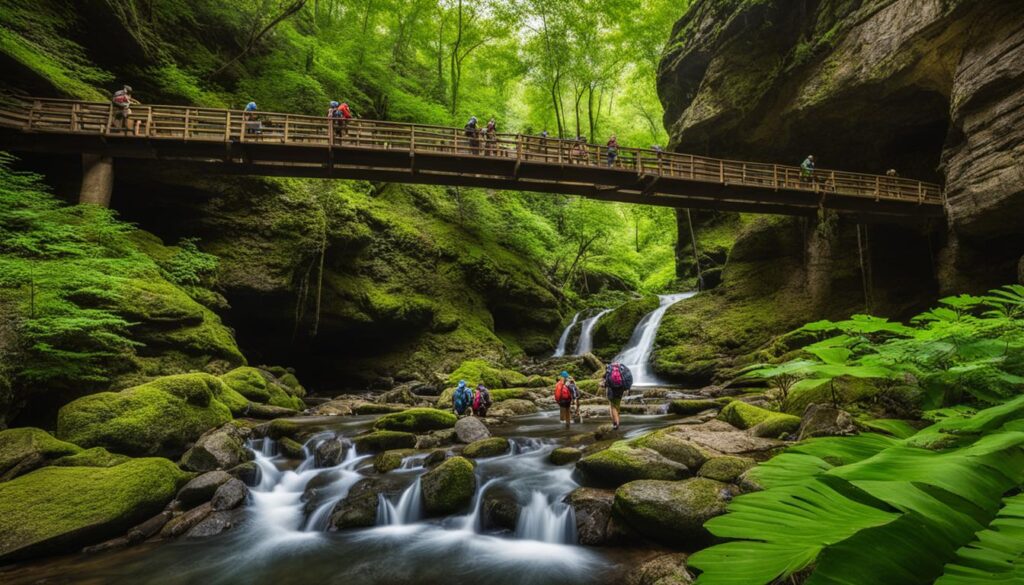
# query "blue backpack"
(462, 398)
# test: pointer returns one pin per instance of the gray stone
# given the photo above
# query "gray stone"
(330, 453)
(212, 525)
(470, 429)
(824, 420)
(202, 488)
(248, 472)
(148, 528)
(673, 512)
(184, 522)
(593, 510)
(221, 448)
(667, 569)
(230, 495)
(500, 508)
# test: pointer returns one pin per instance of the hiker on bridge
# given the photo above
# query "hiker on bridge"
(340, 114)
(491, 134)
(123, 101)
(613, 150)
(473, 134)
(807, 169)
(578, 153)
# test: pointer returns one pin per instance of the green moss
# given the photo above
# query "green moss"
(58, 509)
(691, 407)
(416, 420)
(95, 457)
(144, 420)
(565, 456)
(491, 447)
(623, 462)
(766, 423)
(253, 384)
(374, 408)
(283, 427)
(510, 393)
(291, 448)
(378, 441)
(481, 372)
(292, 384)
(674, 448)
(390, 460)
(449, 487)
(613, 331)
(18, 444)
(726, 469)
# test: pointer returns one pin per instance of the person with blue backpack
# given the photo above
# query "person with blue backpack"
(462, 399)
(617, 381)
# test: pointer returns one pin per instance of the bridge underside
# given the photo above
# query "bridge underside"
(467, 170)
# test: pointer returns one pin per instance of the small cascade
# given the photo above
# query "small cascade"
(546, 521)
(523, 445)
(471, 523)
(586, 342)
(564, 339)
(408, 510)
(336, 491)
(637, 352)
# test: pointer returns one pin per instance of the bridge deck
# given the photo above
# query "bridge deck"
(231, 141)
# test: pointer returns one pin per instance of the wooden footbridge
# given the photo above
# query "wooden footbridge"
(229, 141)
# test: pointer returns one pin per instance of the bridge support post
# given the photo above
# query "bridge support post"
(97, 180)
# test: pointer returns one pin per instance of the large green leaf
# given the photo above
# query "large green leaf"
(997, 553)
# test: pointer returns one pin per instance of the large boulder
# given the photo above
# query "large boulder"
(593, 510)
(378, 441)
(727, 468)
(229, 496)
(160, 417)
(672, 512)
(202, 488)
(690, 407)
(259, 386)
(669, 569)
(470, 429)
(721, 437)
(25, 449)
(221, 448)
(512, 407)
(824, 420)
(487, 448)
(390, 460)
(761, 422)
(671, 445)
(623, 462)
(500, 508)
(564, 456)
(61, 509)
(416, 420)
(449, 487)
(358, 509)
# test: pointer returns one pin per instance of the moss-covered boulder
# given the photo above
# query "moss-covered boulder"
(259, 386)
(449, 487)
(565, 455)
(692, 407)
(481, 372)
(487, 448)
(760, 421)
(672, 512)
(674, 447)
(512, 407)
(416, 420)
(378, 441)
(624, 462)
(60, 509)
(291, 448)
(160, 417)
(95, 457)
(390, 460)
(727, 468)
(221, 448)
(25, 449)
(613, 331)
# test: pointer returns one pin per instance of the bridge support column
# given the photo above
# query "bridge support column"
(97, 180)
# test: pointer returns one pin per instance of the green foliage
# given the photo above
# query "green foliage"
(189, 265)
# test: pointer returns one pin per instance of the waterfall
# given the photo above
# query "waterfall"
(408, 510)
(586, 342)
(637, 352)
(547, 522)
(564, 339)
(471, 523)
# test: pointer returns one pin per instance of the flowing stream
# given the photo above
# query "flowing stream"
(637, 353)
(564, 339)
(586, 342)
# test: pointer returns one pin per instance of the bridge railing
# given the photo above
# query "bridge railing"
(189, 123)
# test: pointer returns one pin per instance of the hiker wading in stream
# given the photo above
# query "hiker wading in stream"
(617, 381)
(481, 401)
(564, 398)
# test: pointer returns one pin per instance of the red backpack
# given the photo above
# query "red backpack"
(562, 392)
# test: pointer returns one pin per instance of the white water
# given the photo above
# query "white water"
(564, 339)
(409, 509)
(546, 521)
(637, 353)
(586, 342)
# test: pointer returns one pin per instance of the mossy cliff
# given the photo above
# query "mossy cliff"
(865, 86)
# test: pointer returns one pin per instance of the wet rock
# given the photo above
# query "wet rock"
(672, 512)
(291, 448)
(592, 362)
(184, 522)
(500, 508)
(691, 407)
(512, 407)
(726, 468)
(221, 448)
(487, 448)
(269, 411)
(378, 441)
(390, 460)
(230, 495)
(760, 421)
(330, 453)
(25, 449)
(400, 395)
(333, 408)
(112, 544)
(674, 447)
(824, 420)
(723, 438)
(248, 472)
(667, 569)
(435, 439)
(148, 528)
(564, 455)
(470, 429)
(606, 432)
(449, 487)
(365, 408)
(435, 458)
(202, 488)
(622, 463)
(359, 508)
(416, 420)
(212, 525)
(593, 510)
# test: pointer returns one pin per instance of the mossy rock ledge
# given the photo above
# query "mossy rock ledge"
(259, 386)
(158, 418)
(61, 509)
(449, 487)
(487, 448)
(672, 512)
(25, 449)
(759, 422)
(623, 462)
(378, 441)
(416, 420)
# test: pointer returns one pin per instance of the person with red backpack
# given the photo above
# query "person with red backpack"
(481, 401)
(343, 114)
(564, 398)
(617, 381)
(123, 101)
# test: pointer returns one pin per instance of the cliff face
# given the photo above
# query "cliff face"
(932, 88)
